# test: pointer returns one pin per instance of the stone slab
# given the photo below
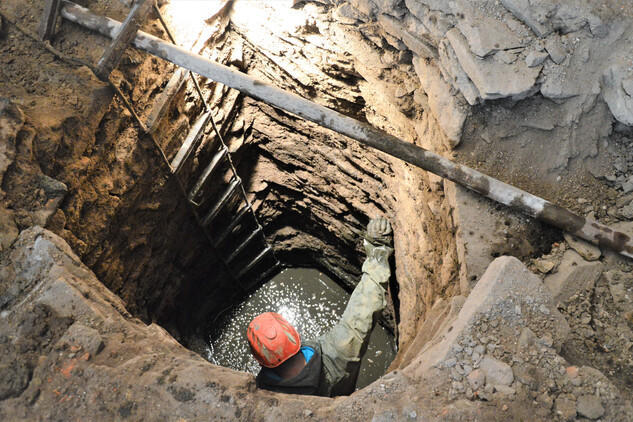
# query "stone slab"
(493, 78)
(395, 28)
(487, 36)
(586, 249)
(574, 275)
(453, 73)
(533, 13)
(497, 372)
(620, 100)
(443, 103)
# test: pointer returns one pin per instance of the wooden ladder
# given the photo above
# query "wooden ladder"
(239, 239)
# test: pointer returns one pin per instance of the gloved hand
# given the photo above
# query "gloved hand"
(379, 240)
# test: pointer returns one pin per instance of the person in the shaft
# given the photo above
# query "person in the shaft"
(329, 364)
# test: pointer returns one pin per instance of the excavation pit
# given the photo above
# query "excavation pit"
(129, 276)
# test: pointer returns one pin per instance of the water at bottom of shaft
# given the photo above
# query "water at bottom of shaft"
(313, 303)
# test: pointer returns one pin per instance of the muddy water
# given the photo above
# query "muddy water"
(310, 301)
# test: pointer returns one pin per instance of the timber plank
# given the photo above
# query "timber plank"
(113, 54)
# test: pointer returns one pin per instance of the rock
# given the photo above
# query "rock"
(532, 13)
(475, 237)
(545, 400)
(454, 74)
(487, 36)
(559, 83)
(387, 5)
(476, 379)
(493, 79)
(395, 28)
(587, 250)
(506, 57)
(627, 186)
(544, 16)
(574, 275)
(572, 372)
(87, 338)
(597, 27)
(526, 339)
(54, 191)
(553, 47)
(8, 229)
(589, 406)
(363, 6)
(497, 372)
(346, 14)
(15, 372)
(543, 265)
(565, 407)
(546, 340)
(443, 104)
(618, 92)
(535, 58)
(420, 8)
(504, 389)
(616, 282)
(529, 375)
(11, 120)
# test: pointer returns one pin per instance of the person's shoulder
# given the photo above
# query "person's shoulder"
(312, 343)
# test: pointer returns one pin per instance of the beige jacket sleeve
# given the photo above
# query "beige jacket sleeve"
(343, 346)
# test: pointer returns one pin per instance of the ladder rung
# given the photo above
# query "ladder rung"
(234, 222)
(226, 196)
(161, 106)
(262, 276)
(191, 142)
(222, 152)
(246, 241)
(255, 260)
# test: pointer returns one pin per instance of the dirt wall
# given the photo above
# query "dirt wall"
(120, 211)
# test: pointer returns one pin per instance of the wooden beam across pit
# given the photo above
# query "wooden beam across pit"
(126, 34)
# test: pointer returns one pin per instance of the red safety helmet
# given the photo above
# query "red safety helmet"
(273, 340)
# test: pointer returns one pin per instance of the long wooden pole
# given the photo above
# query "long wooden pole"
(472, 179)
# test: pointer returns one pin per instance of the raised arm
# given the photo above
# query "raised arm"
(343, 346)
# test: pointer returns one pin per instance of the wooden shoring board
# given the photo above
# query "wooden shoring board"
(113, 54)
(49, 19)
